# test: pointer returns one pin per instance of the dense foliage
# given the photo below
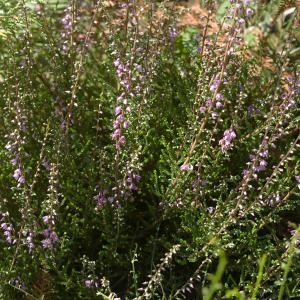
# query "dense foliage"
(142, 157)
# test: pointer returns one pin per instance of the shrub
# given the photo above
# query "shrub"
(140, 156)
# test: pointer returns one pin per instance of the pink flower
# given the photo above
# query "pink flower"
(214, 115)
(186, 167)
(219, 97)
(226, 141)
(118, 110)
(202, 109)
(219, 104)
(122, 140)
(116, 134)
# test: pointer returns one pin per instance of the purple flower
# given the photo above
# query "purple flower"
(18, 283)
(132, 179)
(264, 154)
(89, 283)
(173, 34)
(46, 243)
(210, 209)
(297, 178)
(118, 110)
(241, 21)
(214, 115)
(122, 140)
(29, 239)
(4, 226)
(202, 109)
(67, 28)
(67, 19)
(21, 179)
(8, 147)
(7, 232)
(273, 200)
(46, 164)
(51, 238)
(219, 105)
(46, 232)
(17, 174)
(245, 172)
(124, 5)
(139, 68)
(120, 118)
(219, 97)
(261, 166)
(14, 161)
(186, 167)
(263, 163)
(208, 103)
(101, 199)
(46, 219)
(226, 141)
(117, 62)
(116, 134)
(215, 84)
(249, 11)
(49, 219)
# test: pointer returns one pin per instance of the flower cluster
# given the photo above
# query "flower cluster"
(50, 238)
(7, 228)
(173, 33)
(186, 167)
(215, 102)
(274, 200)
(215, 84)
(50, 205)
(15, 143)
(293, 233)
(120, 123)
(18, 175)
(132, 180)
(92, 283)
(19, 283)
(209, 105)
(67, 29)
(102, 198)
(28, 235)
(226, 142)
(259, 162)
(244, 11)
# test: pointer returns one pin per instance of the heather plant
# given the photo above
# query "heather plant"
(145, 158)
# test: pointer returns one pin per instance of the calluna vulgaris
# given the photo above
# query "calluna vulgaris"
(149, 149)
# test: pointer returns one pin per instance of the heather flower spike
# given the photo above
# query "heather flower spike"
(226, 142)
